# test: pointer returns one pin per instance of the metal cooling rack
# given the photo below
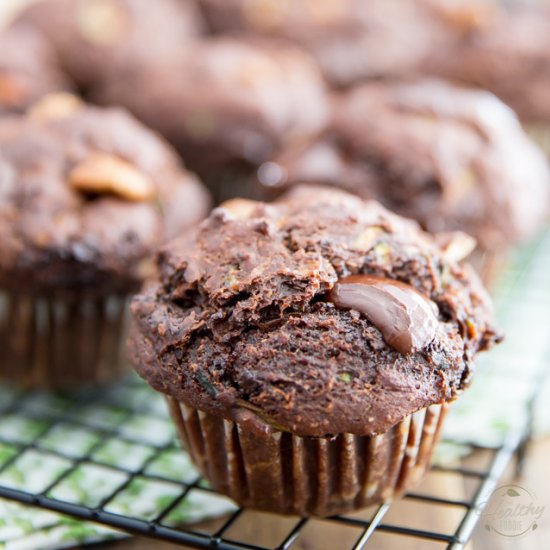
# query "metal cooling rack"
(47, 414)
(130, 414)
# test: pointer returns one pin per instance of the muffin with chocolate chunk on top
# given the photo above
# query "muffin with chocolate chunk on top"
(227, 105)
(449, 157)
(308, 348)
(86, 194)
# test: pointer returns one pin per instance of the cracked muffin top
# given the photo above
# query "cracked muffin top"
(451, 158)
(85, 195)
(318, 314)
(28, 69)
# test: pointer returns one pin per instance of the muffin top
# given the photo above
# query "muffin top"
(85, 195)
(499, 46)
(226, 100)
(28, 69)
(449, 157)
(256, 315)
(99, 39)
(352, 40)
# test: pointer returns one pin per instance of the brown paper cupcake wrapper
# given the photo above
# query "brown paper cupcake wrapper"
(284, 473)
(61, 342)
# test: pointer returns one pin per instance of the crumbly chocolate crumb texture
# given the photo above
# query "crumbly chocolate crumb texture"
(240, 317)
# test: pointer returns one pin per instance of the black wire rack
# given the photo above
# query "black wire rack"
(361, 528)
(132, 415)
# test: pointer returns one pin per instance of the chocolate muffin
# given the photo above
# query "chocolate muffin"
(226, 104)
(308, 348)
(449, 157)
(352, 40)
(86, 194)
(28, 69)
(100, 39)
(503, 47)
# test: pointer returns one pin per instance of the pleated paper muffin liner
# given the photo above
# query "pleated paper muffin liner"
(280, 472)
(61, 342)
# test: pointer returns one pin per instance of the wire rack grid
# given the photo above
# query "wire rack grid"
(98, 420)
(122, 441)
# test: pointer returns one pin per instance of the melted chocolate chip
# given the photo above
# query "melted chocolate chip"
(406, 318)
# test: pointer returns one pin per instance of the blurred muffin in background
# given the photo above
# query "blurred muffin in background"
(449, 157)
(503, 47)
(98, 39)
(86, 194)
(226, 104)
(352, 40)
(28, 69)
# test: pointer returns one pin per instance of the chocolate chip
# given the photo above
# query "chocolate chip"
(406, 318)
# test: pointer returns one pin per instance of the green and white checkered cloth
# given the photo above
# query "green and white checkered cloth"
(113, 438)
(508, 376)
